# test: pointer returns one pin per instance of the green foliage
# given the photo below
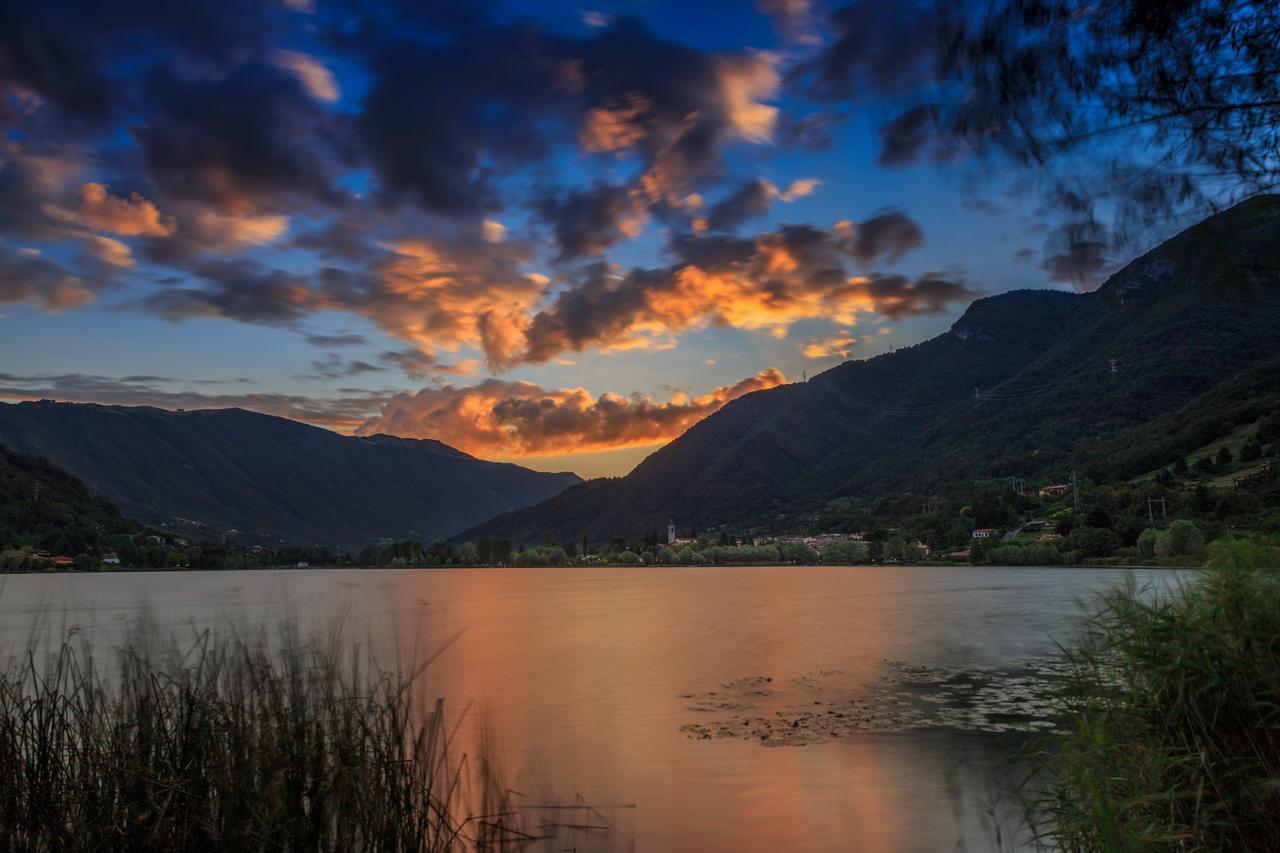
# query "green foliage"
(845, 553)
(1182, 538)
(1174, 706)
(42, 507)
(1147, 543)
(1091, 542)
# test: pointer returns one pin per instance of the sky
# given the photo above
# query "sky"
(552, 233)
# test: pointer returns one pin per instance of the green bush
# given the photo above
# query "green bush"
(1147, 543)
(1181, 539)
(1174, 698)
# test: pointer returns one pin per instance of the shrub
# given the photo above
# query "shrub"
(1171, 740)
(1147, 543)
(1181, 539)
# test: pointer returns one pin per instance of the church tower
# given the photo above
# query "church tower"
(671, 532)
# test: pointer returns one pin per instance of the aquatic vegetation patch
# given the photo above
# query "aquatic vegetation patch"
(821, 707)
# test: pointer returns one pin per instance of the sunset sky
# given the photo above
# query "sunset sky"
(548, 232)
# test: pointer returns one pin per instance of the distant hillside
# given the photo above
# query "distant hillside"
(1025, 384)
(44, 507)
(274, 480)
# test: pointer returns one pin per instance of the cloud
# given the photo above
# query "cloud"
(840, 344)
(441, 294)
(897, 296)
(887, 236)
(338, 340)
(334, 366)
(673, 107)
(419, 365)
(792, 19)
(237, 290)
(767, 282)
(311, 73)
(28, 276)
(905, 138)
(252, 141)
(344, 413)
(134, 216)
(63, 51)
(500, 418)
(587, 222)
(1083, 264)
(755, 198)
(109, 251)
(879, 49)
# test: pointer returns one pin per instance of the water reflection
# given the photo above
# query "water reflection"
(579, 676)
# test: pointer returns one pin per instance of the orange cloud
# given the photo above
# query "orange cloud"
(134, 216)
(766, 283)
(499, 418)
(614, 128)
(840, 344)
(220, 232)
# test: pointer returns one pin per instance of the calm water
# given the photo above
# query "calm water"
(581, 672)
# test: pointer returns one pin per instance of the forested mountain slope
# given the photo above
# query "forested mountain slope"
(1026, 383)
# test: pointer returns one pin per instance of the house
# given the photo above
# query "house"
(1055, 490)
(63, 562)
(924, 549)
(959, 555)
(985, 532)
(1033, 526)
(111, 558)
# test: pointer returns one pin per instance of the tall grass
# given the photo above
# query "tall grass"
(236, 744)
(1174, 722)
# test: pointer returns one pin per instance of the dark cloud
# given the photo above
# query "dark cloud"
(768, 281)
(879, 49)
(896, 296)
(339, 340)
(60, 50)
(27, 276)
(887, 236)
(236, 290)
(334, 366)
(342, 239)
(1084, 265)
(587, 222)
(439, 115)
(251, 141)
(905, 138)
(752, 199)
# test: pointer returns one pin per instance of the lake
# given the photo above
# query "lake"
(658, 695)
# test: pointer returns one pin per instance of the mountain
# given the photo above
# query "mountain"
(42, 506)
(1025, 384)
(273, 480)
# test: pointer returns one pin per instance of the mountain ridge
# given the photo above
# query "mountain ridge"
(270, 478)
(1024, 383)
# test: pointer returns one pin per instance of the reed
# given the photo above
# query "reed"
(237, 743)
(1173, 729)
